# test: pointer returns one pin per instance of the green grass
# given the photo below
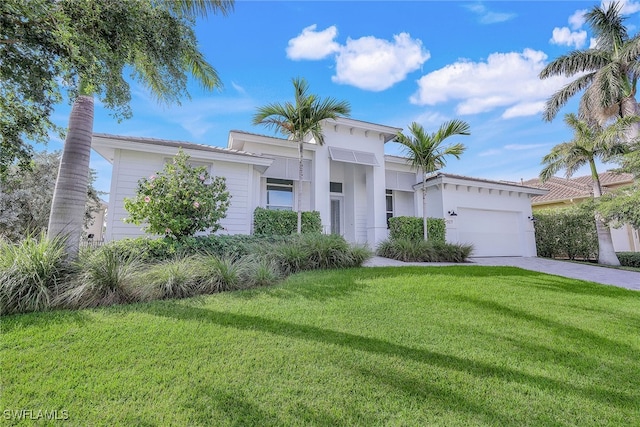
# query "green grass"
(462, 345)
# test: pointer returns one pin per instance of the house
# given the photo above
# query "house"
(349, 180)
(565, 192)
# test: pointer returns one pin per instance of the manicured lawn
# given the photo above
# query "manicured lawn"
(410, 346)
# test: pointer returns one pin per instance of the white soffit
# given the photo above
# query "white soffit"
(352, 156)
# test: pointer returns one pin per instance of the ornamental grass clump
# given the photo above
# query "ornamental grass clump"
(173, 278)
(105, 276)
(31, 272)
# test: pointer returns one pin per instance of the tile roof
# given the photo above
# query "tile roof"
(562, 189)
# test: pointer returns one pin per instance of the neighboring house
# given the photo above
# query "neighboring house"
(349, 180)
(94, 233)
(565, 192)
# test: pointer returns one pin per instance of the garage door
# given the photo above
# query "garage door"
(492, 233)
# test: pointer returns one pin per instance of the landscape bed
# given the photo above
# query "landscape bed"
(459, 345)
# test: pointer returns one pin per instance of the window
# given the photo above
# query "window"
(335, 187)
(279, 194)
(389, 199)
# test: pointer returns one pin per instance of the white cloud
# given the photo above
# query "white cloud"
(523, 110)
(375, 64)
(238, 88)
(312, 44)
(628, 6)
(593, 42)
(576, 20)
(565, 37)
(504, 80)
(487, 16)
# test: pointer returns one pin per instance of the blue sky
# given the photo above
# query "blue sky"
(395, 62)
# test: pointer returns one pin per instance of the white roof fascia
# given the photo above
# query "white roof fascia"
(387, 131)
(440, 179)
(264, 139)
(101, 142)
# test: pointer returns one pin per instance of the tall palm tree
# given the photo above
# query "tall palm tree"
(426, 153)
(591, 142)
(299, 119)
(155, 39)
(607, 73)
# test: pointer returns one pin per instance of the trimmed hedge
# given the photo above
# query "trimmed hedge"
(154, 250)
(629, 259)
(282, 223)
(566, 233)
(423, 251)
(411, 228)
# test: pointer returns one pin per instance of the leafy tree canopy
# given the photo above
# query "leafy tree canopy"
(179, 201)
(85, 46)
(25, 197)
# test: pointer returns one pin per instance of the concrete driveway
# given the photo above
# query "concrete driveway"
(591, 273)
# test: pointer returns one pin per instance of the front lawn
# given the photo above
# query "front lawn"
(462, 345)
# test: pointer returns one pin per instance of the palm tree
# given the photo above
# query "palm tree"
(426, 153)
(608, 73)
(157, 41)
(299, 119)
(591, 142)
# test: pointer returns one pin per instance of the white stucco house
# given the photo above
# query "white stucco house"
(349, 180)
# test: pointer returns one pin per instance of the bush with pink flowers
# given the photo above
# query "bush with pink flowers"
(179, 201)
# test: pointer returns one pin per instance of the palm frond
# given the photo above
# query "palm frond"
(575, 62)
(561, 97)
(607, 26)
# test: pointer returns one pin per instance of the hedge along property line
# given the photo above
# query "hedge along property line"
(282, 223)
(411, 228)
(566, 233)
(629, 259)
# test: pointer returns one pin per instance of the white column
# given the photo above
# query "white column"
(376, 205)
(320, 187)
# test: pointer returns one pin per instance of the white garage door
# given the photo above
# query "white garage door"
(492, 233)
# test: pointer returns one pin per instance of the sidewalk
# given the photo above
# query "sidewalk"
(591, 273)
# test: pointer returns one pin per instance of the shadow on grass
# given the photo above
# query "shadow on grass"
(561, 329)
(43, 319)
(378, 346)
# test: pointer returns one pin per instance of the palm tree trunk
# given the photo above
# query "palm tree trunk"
(630, 108)
(424, 207)
(606, 252)
(70, 194)
(299, 227)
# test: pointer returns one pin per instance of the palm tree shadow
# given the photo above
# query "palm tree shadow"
(377, 346)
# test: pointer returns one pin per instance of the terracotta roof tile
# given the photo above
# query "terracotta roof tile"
(561, 189)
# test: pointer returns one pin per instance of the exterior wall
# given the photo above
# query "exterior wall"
(495, 220)
(130, 166)
(403, 203)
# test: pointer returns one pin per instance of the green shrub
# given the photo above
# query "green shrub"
(423, 251)
(174, 278)
(268, 222)
(179, 201)
(104, 276)
(566, 233)
(317, 251)
(411, 228)
(629, 259)
(156, 250)
(217, 274)
(31, 272)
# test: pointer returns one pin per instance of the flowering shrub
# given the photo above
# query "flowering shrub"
(179, 201)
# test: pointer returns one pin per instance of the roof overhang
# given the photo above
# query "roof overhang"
(106, 145)
(441, 180)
